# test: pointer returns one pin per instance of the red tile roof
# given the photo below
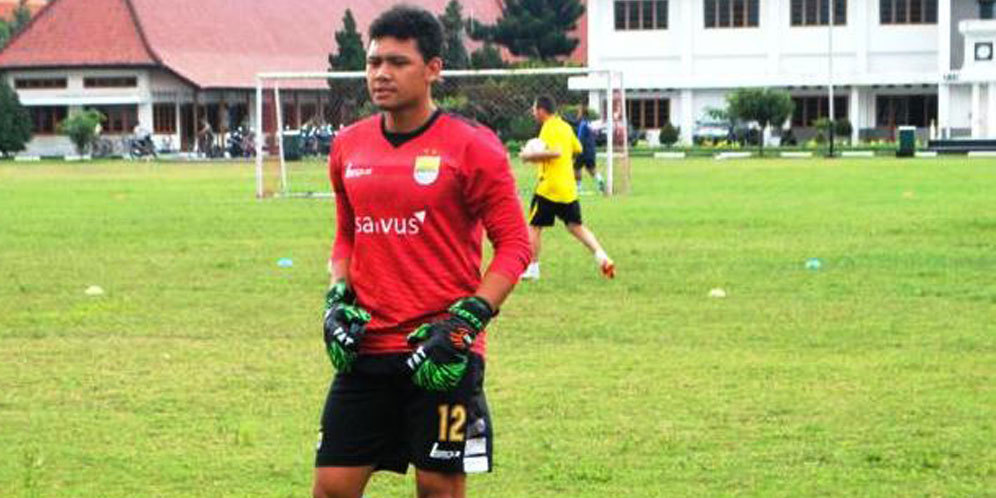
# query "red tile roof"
(79, 32)
(224, 43)
(211, 43)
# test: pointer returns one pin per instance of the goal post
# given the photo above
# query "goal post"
(298, 114)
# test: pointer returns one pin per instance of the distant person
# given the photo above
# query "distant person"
(556, 193)
(143, 140)
(205, 137)
(586, 159)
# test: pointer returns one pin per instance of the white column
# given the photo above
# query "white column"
(774, 31)
(943, 38)
(990, 115)
(601, 23)
(976, 121)
(178, 125)
(943, 110)
(862, 28)
(686, 19)
(854, 113)
(687, 116)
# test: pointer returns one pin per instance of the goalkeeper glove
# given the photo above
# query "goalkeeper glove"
(440, 357)
(344, 324)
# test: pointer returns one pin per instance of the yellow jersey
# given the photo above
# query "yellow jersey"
(556, 176)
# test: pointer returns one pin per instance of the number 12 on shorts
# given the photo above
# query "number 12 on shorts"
(452, 419)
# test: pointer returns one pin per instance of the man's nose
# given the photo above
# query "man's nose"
(381, 72)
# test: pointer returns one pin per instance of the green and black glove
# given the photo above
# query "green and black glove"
(344, 325)
(441, 348)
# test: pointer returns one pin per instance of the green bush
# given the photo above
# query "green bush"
(670, 134)
(15, 121)
(522, 128)
(81, 128)
(843, 128)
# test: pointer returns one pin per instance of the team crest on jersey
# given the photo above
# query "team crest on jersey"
(427, 169)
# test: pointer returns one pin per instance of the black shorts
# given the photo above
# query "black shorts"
(586, 161)
(376, 416)
(543, 212)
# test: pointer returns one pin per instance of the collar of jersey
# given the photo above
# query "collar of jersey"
(398, 139)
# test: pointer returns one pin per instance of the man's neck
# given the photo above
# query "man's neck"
(408, 120)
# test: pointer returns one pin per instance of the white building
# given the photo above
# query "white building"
(891, 62)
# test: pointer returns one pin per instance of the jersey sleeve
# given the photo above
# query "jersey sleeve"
(490, 191)
(342, 248)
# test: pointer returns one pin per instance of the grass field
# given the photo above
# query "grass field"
(200, 372)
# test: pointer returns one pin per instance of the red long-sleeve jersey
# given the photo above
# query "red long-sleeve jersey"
(410, 219)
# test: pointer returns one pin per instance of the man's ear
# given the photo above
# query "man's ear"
(435, 69)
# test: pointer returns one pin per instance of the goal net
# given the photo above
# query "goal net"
(298, 115)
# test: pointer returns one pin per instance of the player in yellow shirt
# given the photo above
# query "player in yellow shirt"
(556, 193)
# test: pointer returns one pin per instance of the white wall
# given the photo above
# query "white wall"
(699, 65)
(688, 54)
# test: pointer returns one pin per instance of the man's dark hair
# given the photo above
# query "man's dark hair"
(545, 102)
(406, 22)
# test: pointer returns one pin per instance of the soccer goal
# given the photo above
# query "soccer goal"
(295, 136)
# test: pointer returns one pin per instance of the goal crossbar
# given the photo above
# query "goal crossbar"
(597, 80)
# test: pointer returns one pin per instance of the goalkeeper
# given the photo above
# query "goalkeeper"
(416, 189)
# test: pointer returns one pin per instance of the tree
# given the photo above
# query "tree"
(81, 128)
(762, 106)
(454, 52)
(351, 56)
(346, 96)
(537, 29)
(15, 121)
(22, 15)
(5, 33)
(487, 57)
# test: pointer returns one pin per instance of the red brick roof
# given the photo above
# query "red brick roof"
(211, 43)
(79, 32)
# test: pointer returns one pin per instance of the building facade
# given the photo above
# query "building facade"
(926, 63)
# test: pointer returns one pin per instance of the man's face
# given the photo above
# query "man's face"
(397, 77)
(538, 114)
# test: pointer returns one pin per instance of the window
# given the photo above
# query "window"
(907, 11)
(809, 109)
(640, 14)
(914, 110)
(118, 119)
(986, 10)
(731, 13)
(816, 12)
(39, 83)
(164, 118)
(46, 119)
(648, 113)
(110, 82)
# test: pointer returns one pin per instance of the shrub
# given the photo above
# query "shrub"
(670, 134)
(81, 128)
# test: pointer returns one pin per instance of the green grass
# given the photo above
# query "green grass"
(200, 373)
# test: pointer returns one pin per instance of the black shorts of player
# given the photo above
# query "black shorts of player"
(584, 160)
(375, 416)
(543, 212)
